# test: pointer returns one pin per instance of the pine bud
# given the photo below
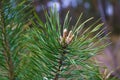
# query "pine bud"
(64, 33)
(71, 38)
(70, 34)
(66, 38)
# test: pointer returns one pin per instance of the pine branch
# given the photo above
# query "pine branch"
(6, 52)
(12, 27)
(58, 53)
(60, 64)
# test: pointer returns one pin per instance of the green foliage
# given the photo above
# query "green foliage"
(12, 20)
(54, 57)
(46, 51)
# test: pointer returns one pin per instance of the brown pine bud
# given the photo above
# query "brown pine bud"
(70, 34)
(64, 33)
(71, 38)
(67, 40)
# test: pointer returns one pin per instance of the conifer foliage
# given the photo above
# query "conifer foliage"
(46, 50)
(63, 53)
(12, 20)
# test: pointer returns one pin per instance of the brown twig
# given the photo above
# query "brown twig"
(60, 64)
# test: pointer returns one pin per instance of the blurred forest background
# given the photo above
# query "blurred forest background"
(107, 10)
